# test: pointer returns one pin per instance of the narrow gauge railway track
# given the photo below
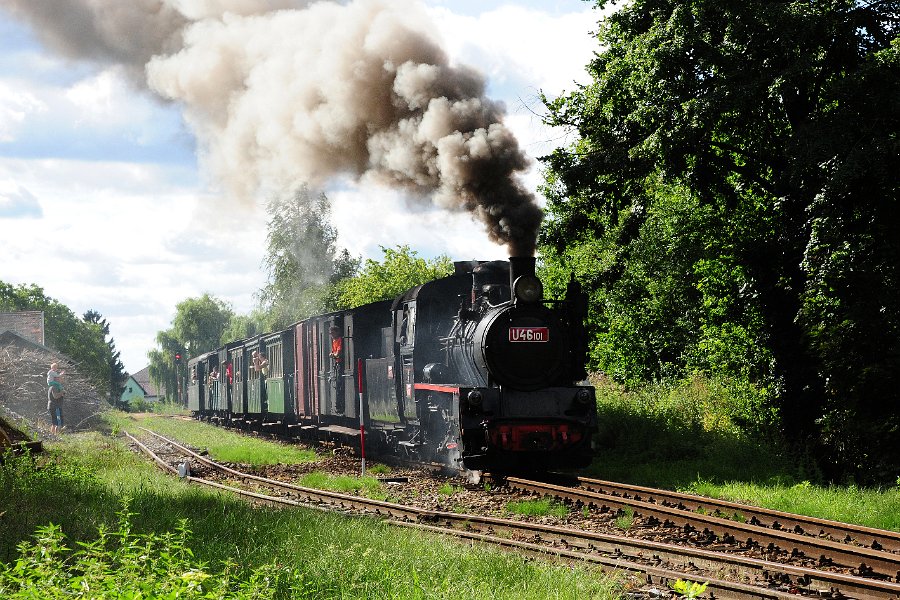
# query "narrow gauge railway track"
(729, 575)
(877, 539)
(836, 545)
(324, 436)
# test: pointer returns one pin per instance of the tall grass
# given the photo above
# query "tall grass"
(670, 434)
(537, 508)
(369, 487)
(712, 437)
(82, 486)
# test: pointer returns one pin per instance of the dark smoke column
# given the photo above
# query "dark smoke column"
(454, 146)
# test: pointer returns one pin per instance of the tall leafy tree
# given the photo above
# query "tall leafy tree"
(302, 258)
(245, 326)
(399, 270)
(196, 328)
(763, 136)
(166, 369)
(82, 340)
(117, 374)
(199, 323)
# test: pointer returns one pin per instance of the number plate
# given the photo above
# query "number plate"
(529, 334)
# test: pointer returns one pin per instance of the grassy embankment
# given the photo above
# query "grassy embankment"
(149, 533)
(705, 437)
(691, 436)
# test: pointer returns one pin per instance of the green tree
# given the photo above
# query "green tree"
(244, 326)
(82, 340)
(302, 259)
(166, 370)
(763, 137)
(199, 323)
(116, 369)
(399, 270)
(196, 328)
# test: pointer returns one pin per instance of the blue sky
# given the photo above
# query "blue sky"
(104, 203)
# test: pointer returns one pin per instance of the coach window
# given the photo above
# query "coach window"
(276, 366)
(237, 359)
(407, 325)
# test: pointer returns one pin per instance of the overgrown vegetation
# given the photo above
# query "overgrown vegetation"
(123, 564)
(366, 486)
(669, 433)
(872, 507)
(83, 485)
(730, 206)
(625, 519)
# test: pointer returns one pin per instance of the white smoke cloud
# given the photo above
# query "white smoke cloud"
(281, 93)
(360, 89)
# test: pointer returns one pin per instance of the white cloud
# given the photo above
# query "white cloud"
(521, 48)
(127, 241)
(17, 202)
(133, 237)
(98, 97)
(15, 106)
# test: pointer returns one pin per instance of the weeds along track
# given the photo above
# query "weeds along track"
(728, 526)
(653, 563)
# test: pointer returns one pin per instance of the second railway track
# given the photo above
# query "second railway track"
(697, 515)
(729, 575)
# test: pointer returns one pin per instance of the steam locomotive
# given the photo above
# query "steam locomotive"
(473, 371)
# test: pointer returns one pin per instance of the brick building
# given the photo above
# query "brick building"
(28, 324)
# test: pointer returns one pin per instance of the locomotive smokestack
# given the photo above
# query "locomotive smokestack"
(518, 266)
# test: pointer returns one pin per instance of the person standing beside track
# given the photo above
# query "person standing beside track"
(55, 395)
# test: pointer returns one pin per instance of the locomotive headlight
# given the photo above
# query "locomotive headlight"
(475, 398)
(583, 396)
(528, 288)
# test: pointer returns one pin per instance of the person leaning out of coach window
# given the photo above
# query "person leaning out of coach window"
(260, 363)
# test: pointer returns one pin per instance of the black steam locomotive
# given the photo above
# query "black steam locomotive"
(475, 371)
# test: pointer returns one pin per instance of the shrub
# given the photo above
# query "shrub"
(122, 564)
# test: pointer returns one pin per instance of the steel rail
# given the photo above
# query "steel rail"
(866, 561)
(717, 588)
(624, 552)
(653, 574)
(881, 539)
(309, 494)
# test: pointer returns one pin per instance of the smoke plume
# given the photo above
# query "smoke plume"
(281, 93)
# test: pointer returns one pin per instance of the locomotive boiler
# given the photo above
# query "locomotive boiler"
(475, 371)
